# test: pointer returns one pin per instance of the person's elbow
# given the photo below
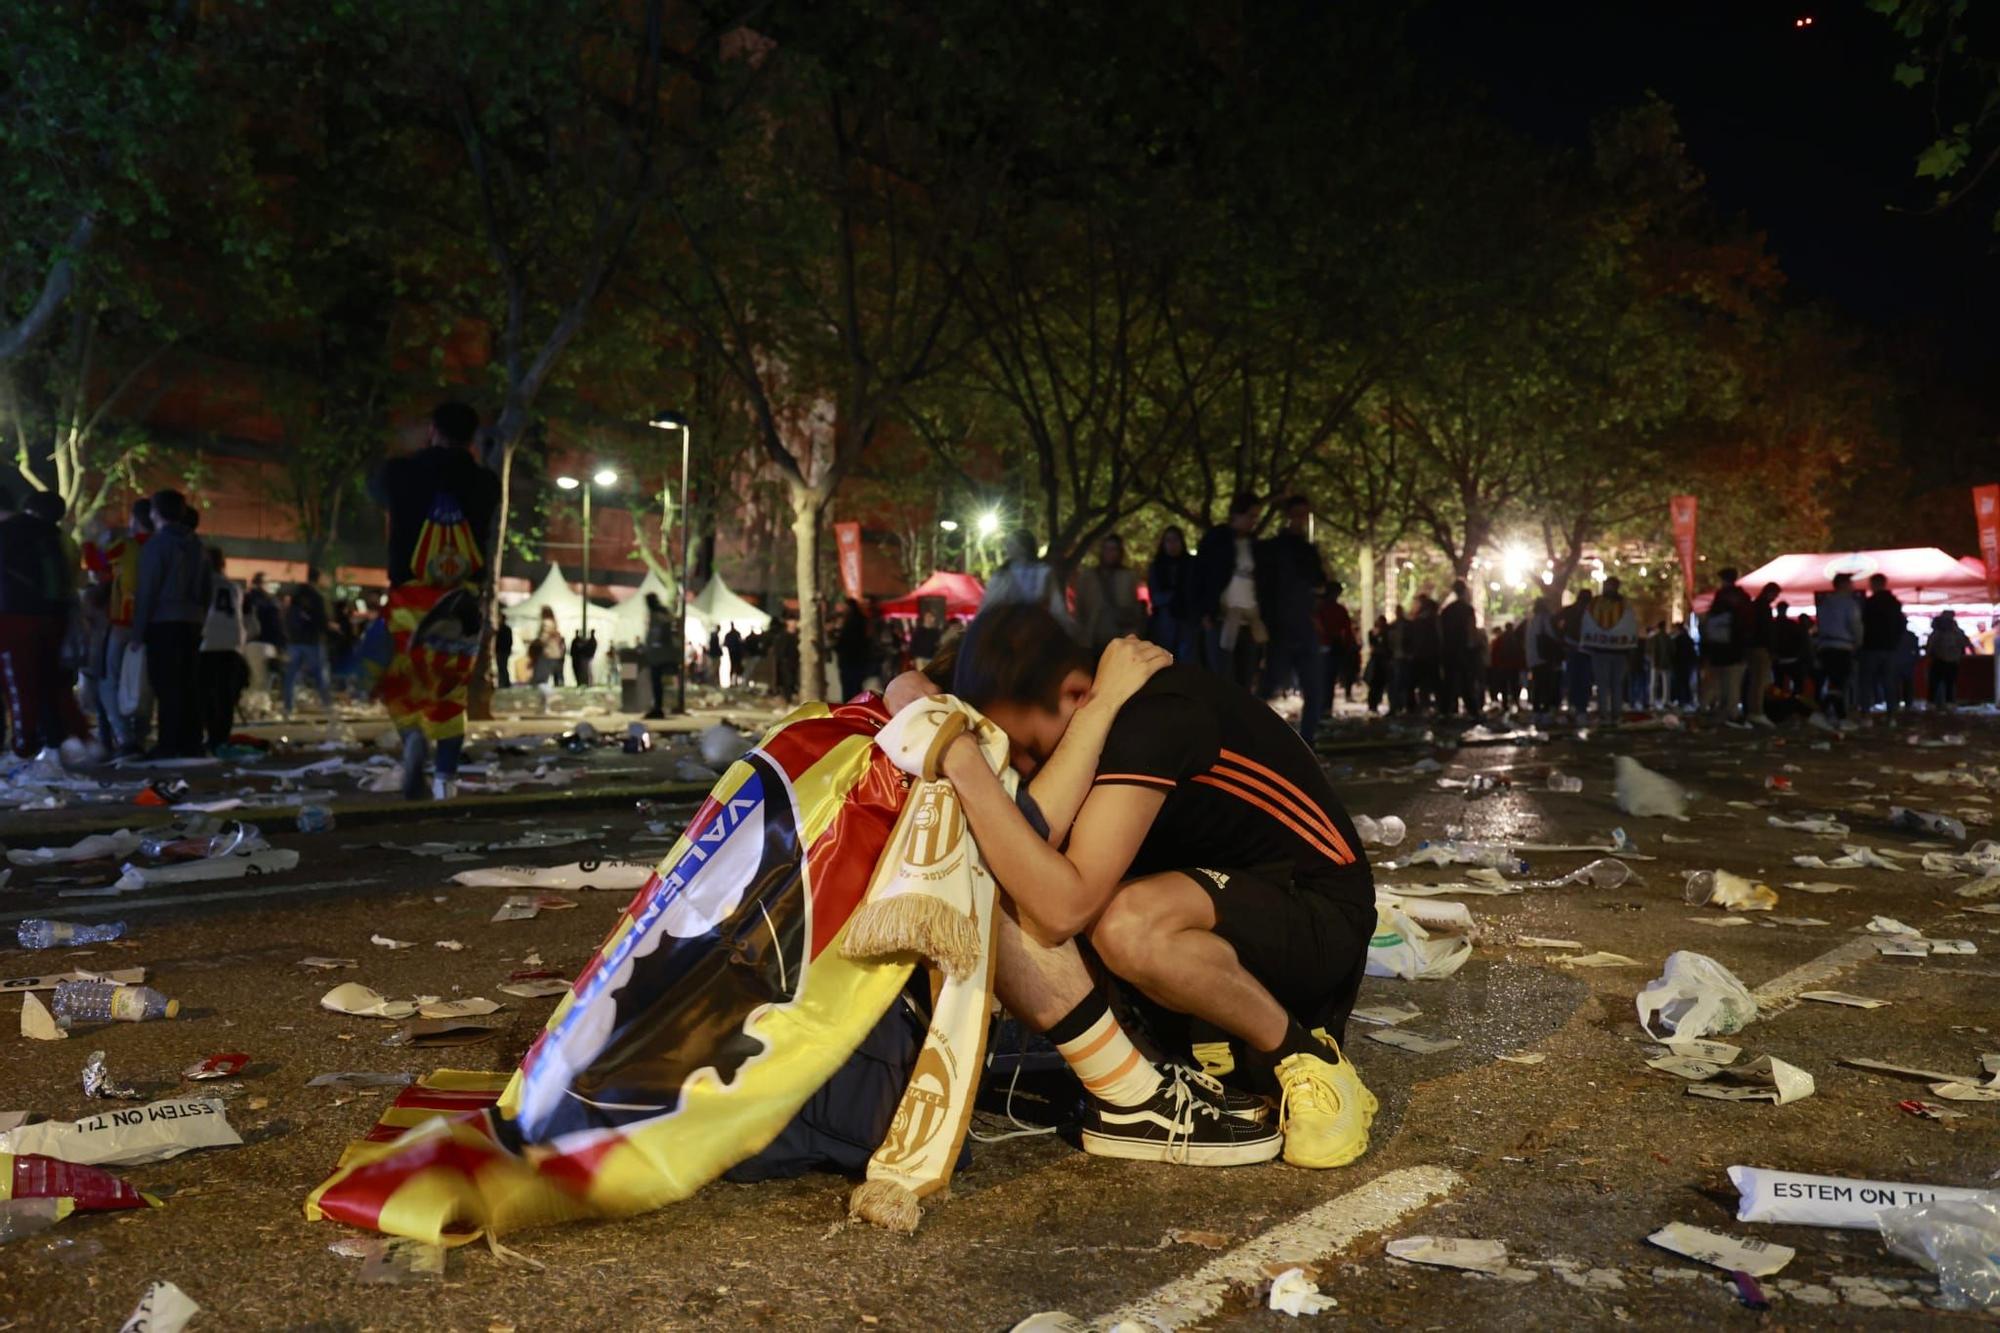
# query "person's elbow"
(1052, 926)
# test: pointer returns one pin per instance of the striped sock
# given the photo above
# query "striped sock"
(1102, 1056)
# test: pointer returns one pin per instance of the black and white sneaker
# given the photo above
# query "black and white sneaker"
(1230, 1101)
(1182, 1123)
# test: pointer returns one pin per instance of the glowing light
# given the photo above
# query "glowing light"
(568, 483)
(1514, 562)
(948, 524)
(989, 523)
(605, 477)
(1494, 585)
(1548, 577)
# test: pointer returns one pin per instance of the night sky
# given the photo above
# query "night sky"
(1800, 131)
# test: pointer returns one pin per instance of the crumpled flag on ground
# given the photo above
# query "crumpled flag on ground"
(717, 1006)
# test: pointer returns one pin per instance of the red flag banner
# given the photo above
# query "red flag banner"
(847, 538)
(1683, 509)
(1986, 507)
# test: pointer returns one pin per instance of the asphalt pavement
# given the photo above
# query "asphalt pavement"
(1572, 1159)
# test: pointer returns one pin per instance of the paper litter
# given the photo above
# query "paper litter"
(1735, 1254)
(1293, 1293)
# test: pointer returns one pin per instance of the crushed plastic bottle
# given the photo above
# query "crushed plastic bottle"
(40, 934)
(1484, 784)
(1453, 852)
(1777, 782)
(1926, 821)
(1720, 888)
(1606, 872)
(108, 1002)
(1387, 831)
(234, 838)
(1560, 781)
(24, 1217)
(315, 819)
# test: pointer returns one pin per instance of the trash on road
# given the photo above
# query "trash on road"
(1764, 1079)
(606, 874)
(328, 964)
(1957, 1090)
(1722, 888)
(1401, 947)
(164, 1308)
(1693, 997)
(1957, 1239)
(1889, 925)
(1293, 1293)
(1821, 825)
(1524, 1057)
(392, 1260)
(383, 941)
(1598, 959)
(1387, 831)
(722, 745)
(228, 1064)
(21, 1218)
(149, 1133)
(533, 990)
(1546, 942)
(427, 1032)
(1926, 821)
(1819, 886)
(1646, 794)
(268, 861)
(108, 1002)
(1414, 1042)
(1386, 1015)
(518, 907)
(37, 1023)
(474, 1007)
(1766, 1195)
(1475, 1256)
(358, 1080)
(1842, 997)
(97, 1081)
(1734, 1254)
(87, 1189)
(36, 933)
(95, 847)
(359, 1001)
(122, 976)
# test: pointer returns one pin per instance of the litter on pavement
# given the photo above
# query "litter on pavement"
(1734, 1254)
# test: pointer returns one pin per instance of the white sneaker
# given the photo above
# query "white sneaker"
(75, 752)
(444, 789)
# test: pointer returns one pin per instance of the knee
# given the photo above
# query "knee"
(1124, 935)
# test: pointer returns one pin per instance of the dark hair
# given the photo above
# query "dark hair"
(192, 519)
(170, 506)
(1842, 578)
(1161, 547)
(46, 505)
(455, 422)
(142, 510)
(1727, 574)
(1016, 653)
(216, 558)
(1242, 503)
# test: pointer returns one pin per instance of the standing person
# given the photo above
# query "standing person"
(1762, 649)
(924, 639)
(1685, 666)
(306, 627)
(1170, 582)
(503, 650)
(1107, 597)
(1024, 576)
(1576, 662)
(1725, 632)
(663, 646)
(1836, 638)
(441, 503)
(579, 660)
(1882, 624)
(1946, 647)
(1290, 579)
(264, 622)
(1226, 582)
(715, 655)
(96, 612)
(549, 649)
(1376, 674)
(1660, 664)
(1788, 650)
(1907, 652)
(37, 589)
(175, 583)
(1426, 648)
(1340, 653)
(1544, 644)
(220, 670)
(732, 646)
(1457, 624)
(121, 574)
(852, 647)
(785, 664)
(1607, 636)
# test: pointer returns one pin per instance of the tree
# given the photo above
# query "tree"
(1955, 65)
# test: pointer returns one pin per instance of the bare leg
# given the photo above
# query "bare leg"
(1159, 934)
(1039, 985)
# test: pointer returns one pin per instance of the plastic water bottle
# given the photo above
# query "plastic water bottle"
(39, 934)
(1385, 832)
(315, 819)
(1926, 821)
(1560, 781)
(108, 1002)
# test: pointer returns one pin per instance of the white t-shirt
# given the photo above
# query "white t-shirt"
(1241, 594)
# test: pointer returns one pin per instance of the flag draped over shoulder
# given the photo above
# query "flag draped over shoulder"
(433, 625)
(716, 1007)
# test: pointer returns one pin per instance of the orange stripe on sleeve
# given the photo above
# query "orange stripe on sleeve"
(1311, 836)
(1302, 805)
(1147, 779)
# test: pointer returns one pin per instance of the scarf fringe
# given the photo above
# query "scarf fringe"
(886, 1204)
(919, 924)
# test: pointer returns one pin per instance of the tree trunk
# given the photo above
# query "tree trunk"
(479, 699)
(806, 505)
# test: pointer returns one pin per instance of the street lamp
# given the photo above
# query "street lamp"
(675, 421)
(605, 477)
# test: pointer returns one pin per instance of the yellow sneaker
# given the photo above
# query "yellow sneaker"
(1324, 1113)
(1351, 1080)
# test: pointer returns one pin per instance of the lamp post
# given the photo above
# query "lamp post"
(675, 421)
(604, 476)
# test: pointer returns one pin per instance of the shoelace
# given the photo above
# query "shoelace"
(1185, 1107)
(1313, 1091)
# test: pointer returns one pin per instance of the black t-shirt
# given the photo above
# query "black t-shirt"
(1242, 789)
(410, 485)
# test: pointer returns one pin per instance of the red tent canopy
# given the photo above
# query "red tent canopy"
(1917, 574)
(962, 595)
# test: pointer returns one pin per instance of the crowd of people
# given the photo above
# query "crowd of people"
(135, 642)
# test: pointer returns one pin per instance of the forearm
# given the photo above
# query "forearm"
(1061, 785)
(1044, 886)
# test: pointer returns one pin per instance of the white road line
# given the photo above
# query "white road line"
(1781, 992)
(69, 907)
(1315, 1234)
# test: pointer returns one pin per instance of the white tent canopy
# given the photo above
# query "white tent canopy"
(626, 622)
(720, 608)
(554, 592)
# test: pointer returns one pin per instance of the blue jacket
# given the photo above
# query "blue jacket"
(175, 581)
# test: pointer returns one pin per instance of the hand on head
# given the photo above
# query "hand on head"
(1125, 665)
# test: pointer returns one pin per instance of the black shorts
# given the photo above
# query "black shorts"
(1307, 945)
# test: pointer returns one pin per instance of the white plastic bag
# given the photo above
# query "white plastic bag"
(1694, 997)
(1402, 948)
(1958, 1239)
(132, 679)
